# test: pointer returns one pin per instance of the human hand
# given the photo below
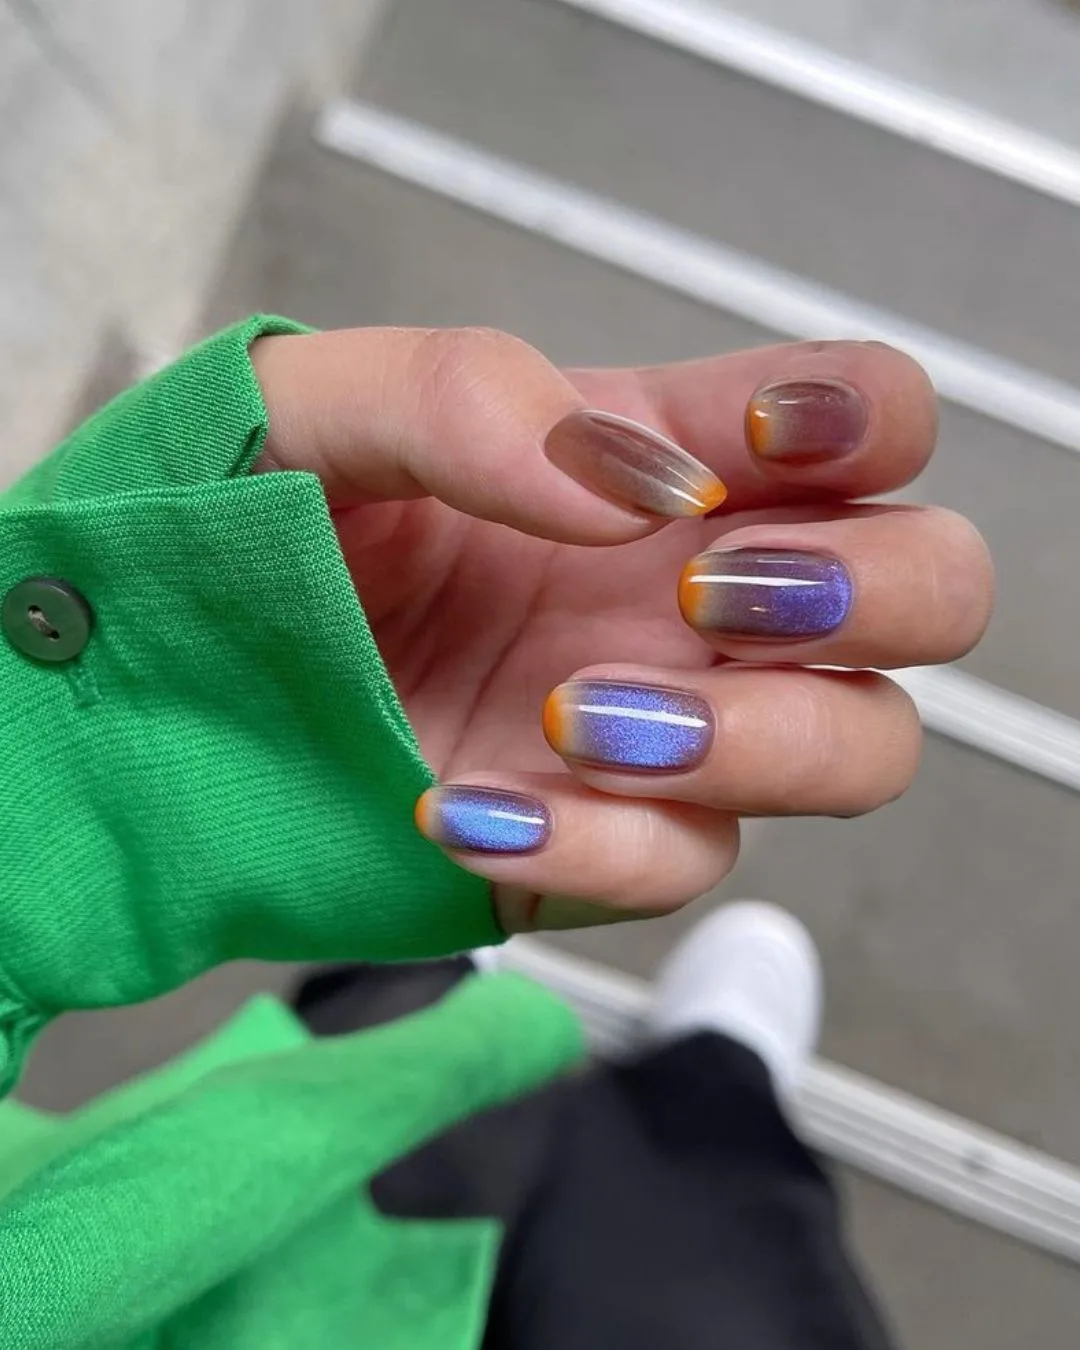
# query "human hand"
(491, 575)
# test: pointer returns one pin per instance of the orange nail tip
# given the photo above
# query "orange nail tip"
(758, 425)
(553, 720)
(687, 593)
(713, 496)
(422, 813)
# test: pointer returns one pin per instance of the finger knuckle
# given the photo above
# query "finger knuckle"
(453, 354)
(469, 372)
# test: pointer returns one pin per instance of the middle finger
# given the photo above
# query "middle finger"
(885, 586)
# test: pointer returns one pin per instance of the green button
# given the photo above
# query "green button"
(46, 619)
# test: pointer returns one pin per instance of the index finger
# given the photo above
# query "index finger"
(789, 423)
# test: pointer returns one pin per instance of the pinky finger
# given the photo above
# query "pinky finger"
(564, 856)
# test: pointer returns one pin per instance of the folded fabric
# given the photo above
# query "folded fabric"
(225, 770)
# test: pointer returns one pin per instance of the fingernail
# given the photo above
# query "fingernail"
(806, 421)
(483, 820)
(640, 727)
(632, 466)
(765, 593)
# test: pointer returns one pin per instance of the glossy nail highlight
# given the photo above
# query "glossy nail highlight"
(631, 465)
(640, 727)
(765, 593)
(806, 421)
(483, 820)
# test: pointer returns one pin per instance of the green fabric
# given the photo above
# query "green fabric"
(29, 1138)
(235, 1216)
(226, 771)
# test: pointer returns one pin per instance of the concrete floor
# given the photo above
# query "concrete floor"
(948, 922)
(129, 136)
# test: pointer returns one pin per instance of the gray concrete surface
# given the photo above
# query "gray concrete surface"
(950, 921)
(946, 1285)
(85, 1054)
(128, 136)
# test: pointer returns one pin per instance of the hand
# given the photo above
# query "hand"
(505, 544)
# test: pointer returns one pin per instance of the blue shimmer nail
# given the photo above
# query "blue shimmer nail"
(765, 593)
(640, 727)
(483, 820)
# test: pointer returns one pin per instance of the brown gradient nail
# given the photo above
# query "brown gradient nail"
(806, 421)
(632, 465)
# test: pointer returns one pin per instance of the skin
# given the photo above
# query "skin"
(489, 577)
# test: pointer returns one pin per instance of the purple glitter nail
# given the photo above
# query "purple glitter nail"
(765, 593)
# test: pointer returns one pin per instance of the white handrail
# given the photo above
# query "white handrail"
(946, 125)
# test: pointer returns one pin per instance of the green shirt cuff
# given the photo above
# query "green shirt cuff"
(226, 770)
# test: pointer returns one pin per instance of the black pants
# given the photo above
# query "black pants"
(662, 1204)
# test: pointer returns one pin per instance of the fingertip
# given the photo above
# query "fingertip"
(615, 854)
(806, 421)
(633, 466)
(469, 818)
(852, 417)
(623, 724)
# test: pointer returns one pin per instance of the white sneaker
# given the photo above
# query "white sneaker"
(751, 971)
(487, 960)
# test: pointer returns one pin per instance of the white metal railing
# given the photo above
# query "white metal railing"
(950, 127)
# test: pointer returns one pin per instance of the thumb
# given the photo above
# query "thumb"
(479, 420)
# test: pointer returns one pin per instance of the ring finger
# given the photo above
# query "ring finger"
(753, 740)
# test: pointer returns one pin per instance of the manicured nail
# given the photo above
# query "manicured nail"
(632, 465)
(765, 593)
(483, 820)
(639, 727)
(806, 421)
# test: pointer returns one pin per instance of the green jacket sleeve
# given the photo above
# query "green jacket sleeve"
(225, 770)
